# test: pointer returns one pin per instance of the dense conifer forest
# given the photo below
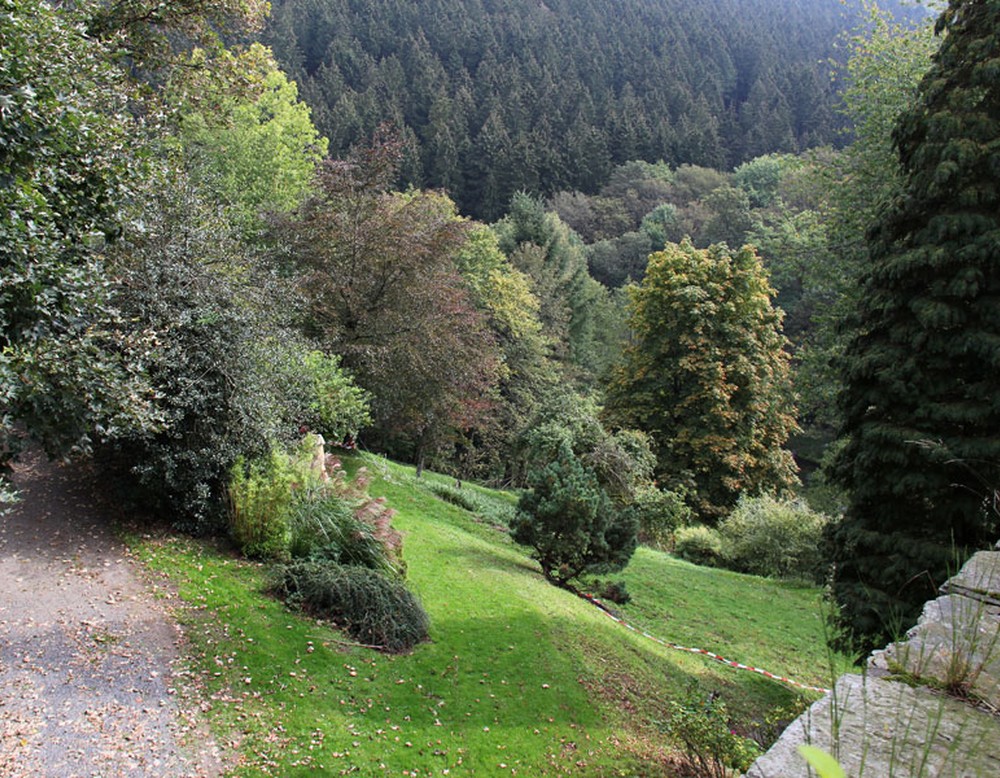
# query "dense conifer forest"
(499, 97)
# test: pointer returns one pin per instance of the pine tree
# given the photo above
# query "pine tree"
(571, 523)
(922, 376)
(706, 376)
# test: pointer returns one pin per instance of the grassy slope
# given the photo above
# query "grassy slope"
(518, 678)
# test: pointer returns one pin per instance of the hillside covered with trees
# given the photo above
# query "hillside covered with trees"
(499, 97)
(678, 281)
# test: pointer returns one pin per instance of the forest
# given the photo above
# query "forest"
(656, 290)
(496, 98)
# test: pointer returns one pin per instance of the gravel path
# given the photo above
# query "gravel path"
(86, 652)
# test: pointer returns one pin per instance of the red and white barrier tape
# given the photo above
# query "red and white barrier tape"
(667, 644)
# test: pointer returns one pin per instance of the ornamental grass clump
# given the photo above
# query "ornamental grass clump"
(329, 528)
(376, 610)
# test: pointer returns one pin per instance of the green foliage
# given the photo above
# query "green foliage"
(261, 496)
(700, 544)
(153, 34)
(281, 506)
(245, 135)
(920, 381)
(337, 408)
(375, 609)
(775, 538)
(706, 376)
(700, 723)
(660, 514)
(730, 221)
(69, 371)
(621, 461)
(822, 762)
(569, 521)
(524, 374)
(761, 177)
(886, 61)
(575, 311)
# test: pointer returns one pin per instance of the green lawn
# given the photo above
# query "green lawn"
(518, 677)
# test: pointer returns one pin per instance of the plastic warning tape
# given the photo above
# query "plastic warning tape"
(711, 655)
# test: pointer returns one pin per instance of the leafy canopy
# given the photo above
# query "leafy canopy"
(705, 374)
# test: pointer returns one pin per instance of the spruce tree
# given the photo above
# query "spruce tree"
(921, 397)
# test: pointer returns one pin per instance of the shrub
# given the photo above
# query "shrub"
(660, 514)
(375, 609)
(699, 544)
(260, 505)
(613, 591)
(710, 747)
(569, 521)
(776, 538)
(188, 290)
(324, 527)
(336, 407)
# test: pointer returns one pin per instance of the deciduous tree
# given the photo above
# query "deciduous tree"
(246, 136)
(706, 376)
(378, 271)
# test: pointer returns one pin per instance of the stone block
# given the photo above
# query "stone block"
(955, 645)
(886, 729)
(979, 578)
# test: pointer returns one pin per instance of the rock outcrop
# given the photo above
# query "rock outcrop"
(928, 705)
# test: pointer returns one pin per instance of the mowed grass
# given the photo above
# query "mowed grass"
(518, 677)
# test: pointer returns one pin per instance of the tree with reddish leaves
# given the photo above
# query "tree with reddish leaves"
(377, 270)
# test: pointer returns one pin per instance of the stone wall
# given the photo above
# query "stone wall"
(928, 705)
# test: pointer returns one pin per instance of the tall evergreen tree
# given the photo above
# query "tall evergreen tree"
(922, 376)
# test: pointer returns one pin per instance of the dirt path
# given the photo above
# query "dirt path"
(86, 652)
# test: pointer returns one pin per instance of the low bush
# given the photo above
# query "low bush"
(612, 591)
(260, 505)
(775, 538)
(699, 544)
(492, 510)
(455, 496)
(700, 725)
(660, 514)
(375, 609)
